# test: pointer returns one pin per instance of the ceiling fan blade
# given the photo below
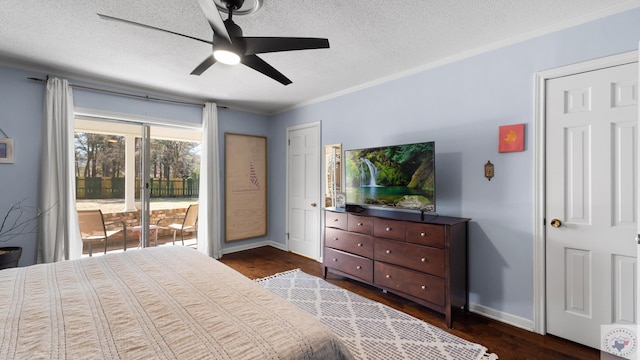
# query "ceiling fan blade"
(107, 17)
(204, 65)
(215, 20)
(261, 45)
(257, 64)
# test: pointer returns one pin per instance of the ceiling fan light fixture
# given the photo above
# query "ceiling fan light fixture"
(226, 56)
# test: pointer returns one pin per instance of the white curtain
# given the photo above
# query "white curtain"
(209, 200)
(58, 234)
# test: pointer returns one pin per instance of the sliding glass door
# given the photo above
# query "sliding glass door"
(142, 177)
(109, 197)
(145, 156)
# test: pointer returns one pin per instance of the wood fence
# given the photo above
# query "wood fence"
(113, 188)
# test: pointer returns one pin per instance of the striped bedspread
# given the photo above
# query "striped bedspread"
(157, 303)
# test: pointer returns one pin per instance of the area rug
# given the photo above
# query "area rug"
(370, 330)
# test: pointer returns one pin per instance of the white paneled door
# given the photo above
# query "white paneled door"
(303, 190)
(591, 202)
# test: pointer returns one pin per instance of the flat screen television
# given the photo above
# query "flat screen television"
(396, 177)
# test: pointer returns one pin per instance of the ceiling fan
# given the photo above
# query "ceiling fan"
(231, 47)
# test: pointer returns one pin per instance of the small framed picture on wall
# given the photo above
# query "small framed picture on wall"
(6, 151)
(511, 138)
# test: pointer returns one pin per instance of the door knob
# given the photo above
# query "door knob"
(314, 204)
(556, 223)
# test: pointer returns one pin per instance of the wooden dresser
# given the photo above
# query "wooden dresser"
(421, 260)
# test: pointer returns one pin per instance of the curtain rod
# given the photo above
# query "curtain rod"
(146, 97)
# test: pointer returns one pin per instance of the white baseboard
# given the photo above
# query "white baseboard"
(230, 250)
(502, 316)
(278, 245)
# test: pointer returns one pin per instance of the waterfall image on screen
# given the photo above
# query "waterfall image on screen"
(400, 176)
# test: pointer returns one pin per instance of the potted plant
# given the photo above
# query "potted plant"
(9, 256)
(19, 220)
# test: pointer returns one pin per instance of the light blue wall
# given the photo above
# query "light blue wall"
(460, 106)
(21, 112)
(21, 103)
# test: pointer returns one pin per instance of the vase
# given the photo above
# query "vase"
(9, 256)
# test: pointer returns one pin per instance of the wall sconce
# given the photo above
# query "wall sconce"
(488, 170)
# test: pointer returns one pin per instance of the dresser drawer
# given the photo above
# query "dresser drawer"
(335, 220)
(360, 224)
(420, 258)
(354, 265)
(389, 229)
(425, 234)
(359, 244)
(423, 286)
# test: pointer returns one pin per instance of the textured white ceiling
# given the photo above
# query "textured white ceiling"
(371, 40)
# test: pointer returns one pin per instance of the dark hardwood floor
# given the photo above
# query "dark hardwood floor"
(508, 342)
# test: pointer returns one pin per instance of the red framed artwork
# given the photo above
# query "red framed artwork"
(511, 138)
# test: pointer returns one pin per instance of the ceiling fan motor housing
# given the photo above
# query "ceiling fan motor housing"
(233, 29)
(235, 33)
(235, 4)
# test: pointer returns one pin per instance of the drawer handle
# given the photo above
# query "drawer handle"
(424, 287)
(335, 259)
(336, 239)
(388, 251)
(358, 267)
(423, 259)
(360, 224)
(336, 219)
(359, 244)
(423, 234)
(388, 276)
(388, 229)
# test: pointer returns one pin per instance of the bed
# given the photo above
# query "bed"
(156, 303)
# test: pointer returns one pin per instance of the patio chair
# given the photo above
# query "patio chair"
(93, 227)
(188, 222)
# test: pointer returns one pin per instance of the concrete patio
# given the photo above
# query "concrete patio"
(112, 210)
